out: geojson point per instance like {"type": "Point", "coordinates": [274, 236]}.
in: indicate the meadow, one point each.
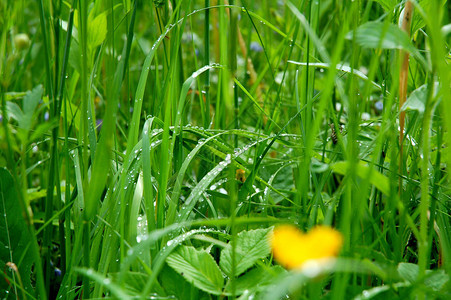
{"type": "Point", "coordinates": [218, 149]}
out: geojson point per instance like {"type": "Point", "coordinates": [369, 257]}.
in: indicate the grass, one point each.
{"type": "Point", "coordinates": [151, 147]}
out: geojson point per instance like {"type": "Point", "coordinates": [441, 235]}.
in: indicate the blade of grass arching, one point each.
{"type": "Point", "coordinates": [115, 290]}
{"type": "Point", "coordinates": [177, 129]}
{"type": "Point", "coordinates": [247, 186]}
{"type": "Point", "coordinates": [134, 126]}
{"type": "Point", "coordinates": [181, 174]}
{"type": "Point", "coordinates": [238, 84]}
{"type": "Point", "coordinates": [160, 259]}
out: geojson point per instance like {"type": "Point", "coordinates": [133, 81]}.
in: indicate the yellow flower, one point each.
{"type": "Point", "coordinates": [292, 248]}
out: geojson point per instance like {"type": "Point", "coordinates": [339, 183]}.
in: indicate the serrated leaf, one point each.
{"type": "Point", "coordinates": [198, 267]}
{"type": "Point", "coordinates": [15, 238]}
{"type": "Point", "coordinates": [251, 246]}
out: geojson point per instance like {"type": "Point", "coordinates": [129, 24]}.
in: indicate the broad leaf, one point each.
{"type": "Point", "coordinates": [198, 267]}
{"type": "Point", "coordinates": [97, 30]}
{"type": "Point", "coordinates": [434, 279]}
{"type": "Point", "coordinates": [385, 36]}
{"type": "Point", "coordinates": [174, 284]}
{"type": "Point", "coordinates": [14, 237]}
{"type": "Point", "coordinates": [369, 35]}
{"type": "Point", "coordinates": [256, 279]}
{"type": "Point", "coordinates": [417, 99]}
{"type": "Point", "coordinates": [377, 179]}
{"type": "Point", "coordinates": [251, 246]}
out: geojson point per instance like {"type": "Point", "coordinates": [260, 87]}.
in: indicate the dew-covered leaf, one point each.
{"type": "Point", "coordinates": [251, 246]}
{"type": "Point", "coordinates": [198, 267]}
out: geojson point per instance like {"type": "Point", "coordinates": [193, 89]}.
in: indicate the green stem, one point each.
{"type": "Point", "coordinates": [206, 88]}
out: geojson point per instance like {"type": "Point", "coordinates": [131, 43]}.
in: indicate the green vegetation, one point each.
{"type": "Point", "coordinates": [149, 148]}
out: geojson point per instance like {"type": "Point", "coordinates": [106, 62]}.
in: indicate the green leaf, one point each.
{"type": "Point", "coordinates": [30, 101]}
{"type": "Point", "coordinates": [14, 111]}
{"type": "Point", "coordinates": [408, 271]}
{"type": "Point", "coordinates": [256, 279]}
{"type": "Point", "coordinates": [434, 279]}
{"type": "Point", "coordinates": [43, 128]}
{"type": "Point", "coordinates": [388, 5]}
{"type": "Point", "coordinates": [15, 238]}
{"type": "Point", "coordinates": [97, 30]}
{"type": "Point", "coordinates": [251, 246]}
{"type": "Point", "coordinates": [198, 267]}
{"type": "Point", "coordinates": [418, 21]}
{"type": "Point", "coordinates": [106, 282]}
{"type": "Point", "coordinates": [385, 36]}
{"type": "Point", "coordinates": [369, 35]}
{"type": "Point", "coordinates": [377, 179]}
{"type": "Point", "coordinates": [417, 99]}
{"type": "Point", "coordinates": [174, 284]}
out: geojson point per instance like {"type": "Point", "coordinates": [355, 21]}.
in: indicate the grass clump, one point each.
{"type": "Point", "coordinates": [153, 149]}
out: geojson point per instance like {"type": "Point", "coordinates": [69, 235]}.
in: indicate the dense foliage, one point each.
{"type": "Point", "coordinates": [152, 149]}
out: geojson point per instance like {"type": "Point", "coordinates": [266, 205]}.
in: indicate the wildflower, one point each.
{"type": "Point", "coordinates": [379, 105]}
{"type": "Point", "coordinates": [256, 47]}
{"type": "Point", "coordinates": [293, 248]}
{"type": "Point", "coordinates": [240, 175]}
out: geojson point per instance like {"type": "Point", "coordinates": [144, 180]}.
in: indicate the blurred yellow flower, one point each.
{"type": "Point", "coordinates": [292, 248]}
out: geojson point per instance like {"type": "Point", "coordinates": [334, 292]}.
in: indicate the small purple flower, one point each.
{"type": "Point", "coordinates": [99, 124]}
{"type": "Point", "coordinates": [57, 272]}
{"type": "Point", "coordinates": [379, 105]}
{"type": "Point", "coordinates": [256, 47]}
{"type": "Point", "coordinates": [46, 116]}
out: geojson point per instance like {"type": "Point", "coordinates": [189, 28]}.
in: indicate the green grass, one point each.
{"type": "Point", "coordinates": [302, 97]}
